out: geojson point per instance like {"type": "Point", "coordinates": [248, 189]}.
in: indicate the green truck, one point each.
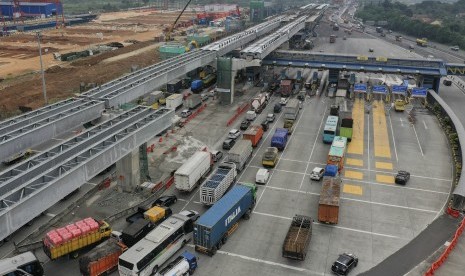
{"type": "Point", "coordinates": [346, 128]}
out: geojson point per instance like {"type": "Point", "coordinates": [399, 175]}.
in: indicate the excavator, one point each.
{"type": "Point", "coordinates": [168, 35]}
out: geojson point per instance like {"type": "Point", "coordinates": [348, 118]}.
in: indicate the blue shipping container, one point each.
{"type": "Point", "coordinates": [211, 227]}
{"type": "Point", "coordinates": [331, 170]}
{"type": "Point", "coordinates": [279, 138]}
{"type": "Point", "coordinates": [196, 85]}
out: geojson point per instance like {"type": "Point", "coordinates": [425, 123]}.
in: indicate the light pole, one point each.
{"type": "Point", "coordinates": [44, 89]}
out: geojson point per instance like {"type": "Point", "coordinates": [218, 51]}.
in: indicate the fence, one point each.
{"type": "Point", "coordinates": [241, 109]}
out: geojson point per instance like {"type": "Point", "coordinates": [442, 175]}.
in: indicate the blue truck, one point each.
{"type": "Point", "coordinates": [331, 170]}
{"type": "Point", "coordinates": [279, 139]}
{"type": "Point", "coordinates": [213, 228]}
{"type": "Point", "coordinates": [196, 86]}
{"type": "Point", "coordinates": [185, 264]}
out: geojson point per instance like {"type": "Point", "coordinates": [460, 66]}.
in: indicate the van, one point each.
{"type": "Point", "coordinates": [262, 176]}
{"type": "Point", "coordinates": [277, 108]}
{"type": "Point", "coordinates": [217, 155]}
{"type": "Point", "coordinates": [228, 144]}
{"type": "Point", "coordinates": [186, 113]}
{"type": "Point", "coordinates": [250, 115]}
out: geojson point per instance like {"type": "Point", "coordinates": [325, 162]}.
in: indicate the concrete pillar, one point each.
{"type": "Point", "coordinates": [128, 171]}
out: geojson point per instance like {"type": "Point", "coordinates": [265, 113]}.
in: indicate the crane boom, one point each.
{"type": "Point", "coordinates": [168, 35]}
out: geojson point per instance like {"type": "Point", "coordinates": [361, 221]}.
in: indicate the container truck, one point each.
{"type": "Point", "coordinates": [286, 87]}
{"type": "Point", "coordinates": [139, 214]}
{"type": "Point", "coordinates": [346, 128]}
{"type": "Point", "coordinates": [174, 101]}
{"type": "Point", "coordinates": [328, 208]}
{"type": "Point", "coordinates": [217, 184]}
{"type": "Point", "coordinates": [270, 157]}
{"type": "Point", "coordinates": [240, 153]}
{"type": "Point", "coordinates": [213, 228]}
{"type": "Point", "coordinates": [254, 133]}
{"type": "Point", "coordinates": [103, 259]}
{"type": "Point", "coordinates": [192, 101]}
{"type": "Point", "coordinates": [298, 238]}
{"type": "Point", "coordinates": [192, 171]}
{"type": "Point", "coordinates": [134, 232]}
{"type": "Point", "coordinates": [174, 86]}
{"type": "Point", "coordinates": [73, 237]}
{"type": "Point", "coordinates": [291, 110]}
{"type": "Point", "coordinates": [259, 103]}
{"type": "Point", "coordinates": [279, 139]}
{"type": "Point", "coordinates": [196, 86]}
{"type": "Point", "coordinates": [182, 265]}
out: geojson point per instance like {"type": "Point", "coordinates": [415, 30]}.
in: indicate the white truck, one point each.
{"type": "Point", "coordinates": [192, 171]}
{"type": "Point", "coordinates": [193, 101]}
{"type": "Point", "coordinates": [174, 101]}
{"type": "Point", "coordinates": [259, 102]}
{"type": "Point", "coordinates": [240, 153]}
{"type": "Point", "coordinates": [216, 185]}
{"type": "Point", "coordinates": [182, 265]}
{"type": "Point", "coordinates": [291, 110]}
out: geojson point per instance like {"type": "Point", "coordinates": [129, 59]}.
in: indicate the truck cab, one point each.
{"type": "Point", "coordinates": [105, 228]}
{"type": "Point", "coordinates": [399, 105]}
{"type": "Point", "coordinates": [289, 125]}
{"type": "Point", "coordinates": [270, 157]}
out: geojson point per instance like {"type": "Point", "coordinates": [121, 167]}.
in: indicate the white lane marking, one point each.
{"type": "Point", "coordinates": [330, 226]}
{"type": "Point", "coordinates": [50, 215]}
{"type": "Point", "coordinates": [90, 183]}
{"type": "Point", "coordinates": [356, 200]}
{"type": "Point", "coordinates": [184, 200]}
{"type": "Point", "coordinates": [368, 157]}
{"type": "Point", "coordinates": [401, 122]}
{"type": "Point", "coordinates": [393, 138]}
{"type": "Point", "coordinates": [418, 140]}
{"type": "Point", "coordinates": [187, 201]}
{"type": "Point", "coordinates": [425, 124]}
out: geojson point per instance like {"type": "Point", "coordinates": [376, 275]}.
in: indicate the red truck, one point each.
{"type": "Point", "coordinates": [286, 87]}
{"type": "Point", "coordinates": [102, 259]}
{"type": "Point", "coordinates": [254, 133]}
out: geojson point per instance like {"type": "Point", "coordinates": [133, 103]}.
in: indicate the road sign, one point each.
{"type": "Point", "coordinates": [362, 58]}
{"type": "Point", "coordinates": [419, 92]}
{"type": "Point", "coordinates": [360, 88]}
{"type": "Point", "coordinates": [399, 89]}
{"type": "Point", "coordinates": [380, 89]}
{"type": "Point", "coordinates": [382, 59]}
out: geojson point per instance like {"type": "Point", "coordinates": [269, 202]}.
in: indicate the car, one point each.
{"type": "Point", "coordinates": [411, 47]}
{"type": "Point", "coordinates": [455, 48]}
{"type": "Point", "coordinates": [262, 176]}
{"type": "Point", "coordinates": [383, 34]}
{"type": "Point", "coordinates": [344, 264]}
{"type": "Point", "coordinates": [270, 117]}
{"type": "Point", "coordinates": [265, 125]}
{"type": "Point", "coordinates": [234, 134]}
{"type": "Point", "coordinates": [186, 113]}
{"type": "Point", "coordinates": [228, 143]}
{"type": "Point", "coordinates": [371, 50]}
{"type": "Point", "coordinates": [204, 96]}
{"type": "Point", "coordinates": [344, 38]}
{"type": "Point", "coordinates": [430, 56]}
{"type": "Point", "coordinates": [283, 101]}
{"type": "Point", "coordinates": [402, 177]}
{"type": "Point", "coordinates": [447, 82]}
{"type": "Point", "coordinates": [321, 50]}
{"type": "Point", "coordinates": [301, 96]}
{"type": "Point", "coordinates": [217, 155]}
{"type": "Point", "coordinates": [165, 201]}
{"type": "Point", "coordinates": [277, 108]}
{"type": "Point", "coordinates": [317, 173]}
{"type": "Point", "coordinates": [245, 124]}
{"type": "Point", "coordinates": [193, 215]}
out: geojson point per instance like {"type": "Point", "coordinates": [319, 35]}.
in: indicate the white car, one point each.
{"type": "Point", "coordinates": [186, 113]}
{"type": "Point", "coordinates": [262, 176]}
{"type": "Point", "coordinates": [234, 134]}
{"type": "Point", "coordinates": [194, 215]}
{"type": "Point", "coordinates": [284, 101]}
{"type": "Point", "coordinates": [270, 117]}
{"type": "Point", "coordinates": [317, 173]}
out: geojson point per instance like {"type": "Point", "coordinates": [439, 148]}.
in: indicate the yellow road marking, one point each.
{"type": "Point", "coordinates": [352, 189]}
{"type": "Point", "coordinates": [354, 162]}
{"type": "Point", "coordinates": [383, 165]}
{"type": "Point", "coordinates": [388, 179]}
{"type": "Point", "coordinates": [358, 114]}
{"type": "Point", "coordinates": [380, 132]}
{"type": "Point", "coordinates": [353, 174]}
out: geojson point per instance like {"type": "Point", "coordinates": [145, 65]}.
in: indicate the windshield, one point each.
{"type": "Point", "coordinates": [329, 132]}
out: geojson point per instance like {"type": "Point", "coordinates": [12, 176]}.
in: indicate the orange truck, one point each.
{"type": "Point", "coordinates": [254, 133]}
{"type": "Point", "coordinates": [102, 259]}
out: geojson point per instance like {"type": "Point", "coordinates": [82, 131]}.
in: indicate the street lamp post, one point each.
{"type": "Point", "coordinates": [44, 89]}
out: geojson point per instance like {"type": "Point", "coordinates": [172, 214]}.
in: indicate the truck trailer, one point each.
{"type": "Point", "coordinates": [213, 228]}
{"type": "Point", "coordinates": [240, 153]}
{"type": "Point", "coordinates": [328, 208]}
{"type": "Point", "coordinates": [346, 129]}
{"type": "Point", "coordinates": [254, 133]}
{"type": "Point", "coordinates": [279, 139]}
{"type": "Point", "coordinates": [192, 171]}
{"type": "Point", "coordinates": [216, 185]}
{"type": "Point", "coordinates": [174, 86]}
{"type": "Point", "coordinates": [259, 103]}
{"type": "Point", "coordinates": [182, 265]}
{"type": "Point", "coordinates": [291, 110]}
{"type": "Point", "coordinates": [192, 101]}
{"type": "Point", "coordinates": [102, 259]}
{"type": "Point", "coordinates": [298, 238]}
{"type": "Point", "coordinates": [174, 101]}
{"type": "Point", "coordinates": [134, 232]}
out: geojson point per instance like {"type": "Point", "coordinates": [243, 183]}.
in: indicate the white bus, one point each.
{"type": "Point", "coordinates": [148, 255]}
{"type": "Point", "coordinates": [23, 264]}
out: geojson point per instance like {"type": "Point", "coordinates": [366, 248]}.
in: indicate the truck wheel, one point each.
{"type": "Point", "coordinates": [218, 246]}
{"type": "Point", "coordinates": [247, 216]}
{"type": "Point", "coordinates": [224, 240]}
{"type": "Point", "coordinates": [75, 255]}
{"type": "Point", "coordinates": [213, 251]}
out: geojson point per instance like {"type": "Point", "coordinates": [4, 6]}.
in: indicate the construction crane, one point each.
{"type": "Point", "coordinates": [168, 35]}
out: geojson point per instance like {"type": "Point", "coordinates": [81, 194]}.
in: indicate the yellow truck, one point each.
{"type": "Point", "coordinates": [423, 42]}
{"type": "Point", "coordinates": [73, 237]}
{"type": "Point", "coordinates": [399, 105]}
{"type": "Point", "coordinates": [157, 213]}
{"type": "Point", "coordinates": [289, 125]}
{"type": "Point", "coordinates": [270, 157]}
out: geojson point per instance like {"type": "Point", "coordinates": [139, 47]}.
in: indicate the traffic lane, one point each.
{"type": "Point", "coordinates": [454, 97]}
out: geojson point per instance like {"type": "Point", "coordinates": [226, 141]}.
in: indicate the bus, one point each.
{"type": "Point", "coordinates": [23, 264]}
{"type": "Point", "coordinates": [337, 152]}
{"type": "Point", "coordinates": [330, 129]}
{"type": "Point", "coordinates": [148, 255]}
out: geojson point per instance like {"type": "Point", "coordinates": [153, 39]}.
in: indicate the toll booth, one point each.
{"type": "Point", "coordinates": [380, 92]}
{"type": "Point", "coordinates": [419, 95]}
{"type": "Point", "coordinates": [399, 92]}
{"type": "Point", "coordinates": [360, 91]}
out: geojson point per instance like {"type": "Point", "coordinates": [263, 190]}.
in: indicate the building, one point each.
{"type": "Point", "coordinates": [29, 9]}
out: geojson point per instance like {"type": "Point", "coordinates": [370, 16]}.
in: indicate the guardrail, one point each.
{"type": "Point", "coordinates": [239, 111]}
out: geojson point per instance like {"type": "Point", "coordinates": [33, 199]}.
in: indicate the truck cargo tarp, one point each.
{"type": "Point", "coordinates": [419, 92]}
{"type": "Point", "coordinates": [380, 89]}
{"type": "Point", "coordinates": [399, 89]}
{"type": "Point", "coordinates": [360, 88]}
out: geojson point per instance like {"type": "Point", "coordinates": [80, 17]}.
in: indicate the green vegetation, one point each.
{"type": "Point", "coordinates": [408, 19]}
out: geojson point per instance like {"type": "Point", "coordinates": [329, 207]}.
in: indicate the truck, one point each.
{"type": "Point", "coordinates": [216, 185]}
{"type": "Point", "coordinates": [270, 157]}
{"type": "Point", "coordinates": [134, 232]}
{"type": "Point", "coordinates": [346, 129]}
{"type": "Point", "coordinates": [332, 39]}
{"type": "Point", "coordinates": [174, 86]}
{"type": "Point", "coordinates": [398, 38]}
{"type": "Point", "coordinates": [298, 238]}
{"type": "Point", "coordinates": [379, 29]}
{"type": "Point", "coordinates": [214, 227]}
{"type": "Point", "coordinates": [254, 133]}
{"type": "Point", "coordinates": [399, 105]}
{"type": "Point", "coordinates": [423, 42]}
{"type": "Point", "coordinates": [73, 237]}
{"type": "Point", "coordinates": [240, 153]}
{"type": "Point", "coordinates": [139, 214]}
{"type": "Point", "coordinates": [102, 259]}
{"type": "Point", "coordinates": [328, 205]}
{"type": "Point", "coordinates": [279, 139]}
{"type": "Point", "coordinates": [196, 86]}
{"type": "Point", "coordinates": [192, 171]}
{"type": "Point", "coordinates": [259, 103]}
{"type": "Point", "coordinates": [336, 27]}
{"type": "Point", "coordinates": [291, 110]}
{"type": "Point", "coordinates": [192, 101]}
{"type": "Point", "coordinates": [156, 214]}
{"type": "Point", "coordinates": [331, 170]}
{"type": "Point", "coordinates": [174, 101]}
{"type": "Point", "coordinates": [286, 87]}
{"type": "Point", "coordinates": [182, 265]}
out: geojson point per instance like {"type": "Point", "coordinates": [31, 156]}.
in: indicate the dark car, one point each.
{"type": "Point", "coordinates": [402, 177]}
{"type": "Point", "coordinates": [277, 108]}
{"type": "Point", "coordinates": [447, 82]}
{"type": "Point", "coordinates": [165, 201]}
{"type": "Point", "coordinates": [228, 143]}
{"type": "Point", "coordinates": [344, 264]}
{"type": "Point", "coordinates": [265, 125]}
{"type": "Point", "coordinates": [245, 124]}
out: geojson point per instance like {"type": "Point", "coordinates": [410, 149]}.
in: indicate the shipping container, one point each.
{"type": "Point", "coordinates": [254, 133]}
{"type": "Point", "coordinates": [103, 259]}
{"type": "Point", "coordinates": [136, 231]}
{"type": "Point", "coordinates": [240, 153]}
{"type": "Point", "coordinates": [192, 171]}
{"type": "Point", "coordinates": [328, 208]}
{"type": "Point", "coordinates": [213, 228]}
{"type": "Point", "coordinates": [192, 101]}
{"type": "Point", "coordinates": [174, 86]}
{"type": "Point", "coordinates": [279, 139]}
{"type": "Point", "coordinates": [291, 110]}
{"type": "Point", "coordinates": [157, 213]}
{"type": "Point", "coordinates": [286, 87]}
{"type": "Point", "coordinates": [298, 238]}
{"type": "Point", "coordinates": [196, 86]}
{"type": "Point", "coordinates": [174, 101]}
{"type": "Point", "coordinates": [346, 129]}
{"type": "Point", "coordinates": [216, 185]}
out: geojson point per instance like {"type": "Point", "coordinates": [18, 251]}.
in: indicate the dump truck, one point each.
{"type": "Point", "coordinates": [346, 129]}
{"type": "Point", "coordinates": [298, 238]}
{"type": "Point", "coordinates": [73, 237]}
{"type": "Point", "coordinates": [270, 157]}
{"type": "Point", "coordinates": [254, 133]}
{"type": "Point", "coordinates": [399, 105]}
{"type": "Point", "coordinates": [214, 227]}
{"type": "Point", "coordinates": [259, 103]}
{"type": "Point", "coordinates": [216, 185]}
{"type": "Point", "coordinates": [328, 206]}
{"type": "Point", "coordinates": [102, 259]}
{"type": "Point", "coordinates": [279, 139]}
{"type": "Point", "coordinates": [240, 153]}
{"type": "Point", "coordinates": [134, 232]}
{"type": "Point", "coordinates": [182, 265]}
{"type": "Point", "coordinates": [192, 101]}
{"type": "Point", "coordinates": [192, 171]}
{"type": "Point", "coordinates": [156, 214]}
